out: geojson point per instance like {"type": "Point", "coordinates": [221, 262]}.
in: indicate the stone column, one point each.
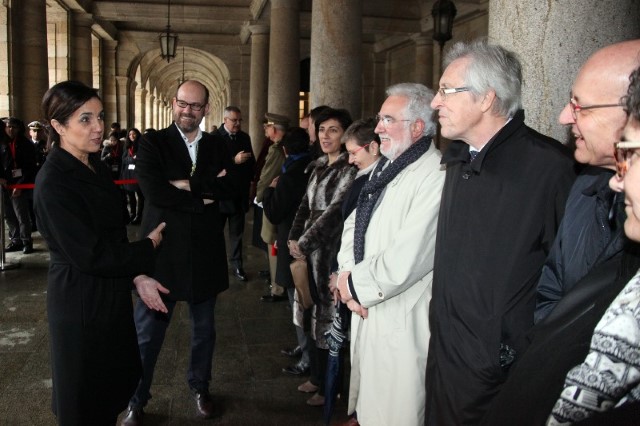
{"type": "Point", "coordinates": [159, 110]}
{"type": "Point", "coordinates": [336, 54]}
{"type": "Point", "coordinates": [553, 39]}
{"type": "Point", "coordinates": [258, 83]}
{"type": "Point", "coordinates": [81, 53]}
{"type": "Point", "coordinates": [424, 60]}
{"type": "Point", "coordinates": [122, 101]}
{"type": "Point", "coordinates": [150, 105]}
{"type": "Point", "coordinates": [380, 80]}
{"type": "Point", "coordinates": [27, 60]}
{"type": "Point", "coordinates": [284, 58]}
{"type": "Point", "coordinates": [109, 98]}
{"type": "Point", "coordinates": [141, 109]}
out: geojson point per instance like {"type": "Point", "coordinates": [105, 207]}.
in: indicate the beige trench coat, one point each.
{"type": "Point", "coordinates": [389, 348]}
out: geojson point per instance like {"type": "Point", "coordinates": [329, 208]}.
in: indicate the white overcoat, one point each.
{"type": "Point", "coordinates": [389, 348]}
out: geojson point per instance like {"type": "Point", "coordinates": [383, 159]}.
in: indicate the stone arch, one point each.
{"type": "Point", "coordinates": [160, 80]}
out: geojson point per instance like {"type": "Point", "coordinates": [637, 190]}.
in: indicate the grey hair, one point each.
{"type": "Point", "coordinates": [419, 99]}
{"type": "Point", "coordinates": [491, 67]}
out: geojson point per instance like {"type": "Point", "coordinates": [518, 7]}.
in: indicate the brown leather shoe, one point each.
{"type": "Point", "coordinates": [133, 417]}
{"type": "Point", "coordinates": [308, 387]}
{"type": "Point", "coordinates": [204, 404]}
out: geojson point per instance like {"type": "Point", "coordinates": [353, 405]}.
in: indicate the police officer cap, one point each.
{"type": "Point", "coordinates": [276, 119]}
{"type": "Point", "coordinates": [35, 125]}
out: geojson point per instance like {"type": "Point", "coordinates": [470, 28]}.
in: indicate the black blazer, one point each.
{"type": "Point", "coordinates": [25, 160]}
{"type": "Point", "coordinates": [192, 261]}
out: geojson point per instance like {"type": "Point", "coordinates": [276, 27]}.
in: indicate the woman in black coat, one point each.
{"type": "Point", "coordinates": [133, 193]}
{"type": "Point", "coordinates": [94, 353]}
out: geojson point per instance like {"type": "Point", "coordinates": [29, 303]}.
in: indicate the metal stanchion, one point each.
{"type": "Point", "coordinates": [4, 266]}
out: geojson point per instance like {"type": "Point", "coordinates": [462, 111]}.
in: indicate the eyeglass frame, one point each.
{"type": "Point", "coordinates": [387, 120]}
{"type": "Point", "coordinates": [445, 91]}
{"type": "Point", "coordinates": [194, 106]}
{"type": "Point", "coordinates": [357, 150]}
{"type": "Point", "coordinates": [621, 152]}
{"type": "Point", "coordinates": [234, 120]}
{"type": "Point", "coordinates": [575, 107]}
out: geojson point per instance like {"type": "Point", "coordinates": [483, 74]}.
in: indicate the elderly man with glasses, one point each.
{"type": "Point", "coordinates": [233, 211]}
{"type": "Point", "coordinates": [502, 201]}
{"type": "Point", "coordinates": [592, 234]}
{"type": "Point", "coordinates": [386, 264]}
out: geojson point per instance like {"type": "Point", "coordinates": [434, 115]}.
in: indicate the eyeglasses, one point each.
{"type": "Point", "coordinates": [357, 150]}
{"type": "Point", "coordinates": [387, 120]}
{"type": "Point", "coordinates": [194, 106]}
{"type": "Point", "coordinates": [576, 108]}
{"type": "Point", "coordinates": [444, 91]}
{"type": "Point", "coordinates": [623, 151]}
{"type": "Point", "coordinates": [234, 120]}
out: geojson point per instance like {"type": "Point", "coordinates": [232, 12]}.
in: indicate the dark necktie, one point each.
{"type": "Point", "coordinates": [473, 154]}
{"type": "Point", "coordinates": [233, 137]}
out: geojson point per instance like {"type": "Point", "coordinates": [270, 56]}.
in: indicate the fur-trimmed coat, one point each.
{"type": "Point", "coordinates": [318, 227]}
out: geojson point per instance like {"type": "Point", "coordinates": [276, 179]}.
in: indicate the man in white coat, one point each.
{"type": "Point", "coordinates": [386, 264]}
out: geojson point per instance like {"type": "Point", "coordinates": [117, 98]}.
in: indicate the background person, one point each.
{"type": "Point", "coordinates": [132, 191]}
{"type": "Point", "coordinates": [94, 353]}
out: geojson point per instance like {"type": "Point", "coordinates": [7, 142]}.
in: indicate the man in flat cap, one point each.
{"type": "Point", "coordinates": [275, 127]}
{"type": "Point", "coordinates": [39, 140]}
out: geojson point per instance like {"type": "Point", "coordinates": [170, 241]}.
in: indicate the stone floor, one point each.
{"type": "Point", "coordinates": [247, 384]}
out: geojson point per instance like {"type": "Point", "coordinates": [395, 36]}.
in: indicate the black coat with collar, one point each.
{"type": "Point", "coordinates": [94, 350]}
{"type": "Point", "coordinates": [243, 172]}
{"type": "Point", "coordinates": [498, 219]}
{"type": "Point", "coordinates": [192, 261]}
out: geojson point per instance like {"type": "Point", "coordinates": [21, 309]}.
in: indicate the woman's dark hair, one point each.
{"type": "Point", "coordinates": [61, 101]}
{"type": "Point", "coordinates": [362, 132]}
{"type": "Point", "coordinates": [632, 99]}
{"type": "Point", "coordinates": [135, 142]}
{"type": "Point", "coordinates": [341, 115]}
{"type": "Point", "coordinates": [295, 141]}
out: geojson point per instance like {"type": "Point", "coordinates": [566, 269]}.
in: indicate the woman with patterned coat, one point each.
{"type": "Point", "coordinates": [315, 235]}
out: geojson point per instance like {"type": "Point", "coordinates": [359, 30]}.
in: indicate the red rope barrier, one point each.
{"type": "Point", "coordinates": [31, 186]}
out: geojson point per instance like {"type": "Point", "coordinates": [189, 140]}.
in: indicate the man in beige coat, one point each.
{"type": "Point", "coordinates": [386, 263]}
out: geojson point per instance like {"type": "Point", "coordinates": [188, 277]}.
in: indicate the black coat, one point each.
{"type": "Point", "coordinates": [128, 169]}
{"type": "Point", "coordinates": [192, 261]}
{"type": "Point", "coordinates": [243, 172]}
{"type": "Point", "coordinates": [25, 160]}
{"type": "Point", "coordinates": [559, 343]}
{"type": "Point", "coordinates": [94, 350]}
{"type": "Point", "coordinates": [498, 218]}
{"type": "Point", "coordinates": [280, 205]}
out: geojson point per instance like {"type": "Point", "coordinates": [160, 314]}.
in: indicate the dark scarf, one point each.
{"type": "Point", "coordinates": [373, 189]}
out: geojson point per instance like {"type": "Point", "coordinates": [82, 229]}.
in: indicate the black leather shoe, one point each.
{"type": "Point", "coordinates": [133, 417]}
{"type": "Point", "coordinates": [27, 249]}
{"type": "Point", "coordinates": [298, 369]}
{"type": "Point", "coordinates": [270, 298]}
{"type": "Point", "coordinates": [239, 274]}
{"type": "Point", "coordinates": [204, 404]}
{"type": "Point", "coordinates": [13, 247]}
{"type": "Point", "coordinates": [293, 353]}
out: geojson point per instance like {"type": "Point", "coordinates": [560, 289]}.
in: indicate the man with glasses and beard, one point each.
{"type": "Point", "coordinates": [183, 172]}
